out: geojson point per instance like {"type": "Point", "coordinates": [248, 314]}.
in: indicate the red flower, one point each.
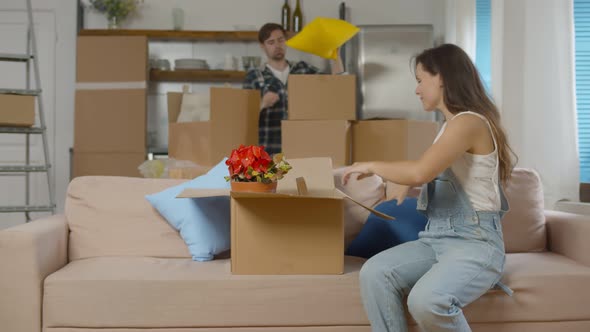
{"type": "Point", "coordinates": [249, 163]}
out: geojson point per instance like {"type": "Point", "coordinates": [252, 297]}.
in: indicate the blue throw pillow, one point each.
{"type": "Point", "coordinates": [379, 234]}
{"type": "Point", "coordinates": [203, 223]}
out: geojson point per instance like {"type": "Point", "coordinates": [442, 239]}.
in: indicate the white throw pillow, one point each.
{"type": "Point", "coordinates": [370, 191]}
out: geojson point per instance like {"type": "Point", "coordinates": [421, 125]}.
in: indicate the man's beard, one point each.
{"type": "Point", "coordinates": [278, 56]}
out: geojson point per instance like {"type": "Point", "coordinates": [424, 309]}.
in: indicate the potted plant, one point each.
{"type": "Point", "coordinates": [115, 10]}
{"type": "Point", "coordinates": [252, 169]}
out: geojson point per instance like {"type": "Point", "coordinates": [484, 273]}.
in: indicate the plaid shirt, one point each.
{"type": "Point", "coordinates": [269, 121]}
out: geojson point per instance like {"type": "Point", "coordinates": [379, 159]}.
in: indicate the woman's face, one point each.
{"type": "Point", "coordinates": [429, 89]}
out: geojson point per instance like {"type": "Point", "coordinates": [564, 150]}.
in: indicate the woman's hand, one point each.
{"type": "Point", "coordinates": [399, 192]}
{"type": "Point", "coordinates": [363, 169]}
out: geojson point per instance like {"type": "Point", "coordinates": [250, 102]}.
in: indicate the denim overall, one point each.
{"type": "Point", "coordinates": [457, 258]}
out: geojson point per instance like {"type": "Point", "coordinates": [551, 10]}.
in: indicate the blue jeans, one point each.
{"type": "Point", "coordinates": [457, 259]}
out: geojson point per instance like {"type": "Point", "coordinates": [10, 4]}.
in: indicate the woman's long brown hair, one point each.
{"type": "Point", "coordinates": [463, 91]}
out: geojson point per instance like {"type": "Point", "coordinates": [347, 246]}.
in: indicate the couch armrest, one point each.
{"type": "Point", "coordinates": [29, 253]}
{"type": "Point", "coordinates": [568, 234]}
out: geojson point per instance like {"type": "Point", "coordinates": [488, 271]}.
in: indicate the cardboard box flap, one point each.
{"type": "Point", "coordinates": [279, 196]}
{"type": "Point", "coordinates": [382, 215]}
{"type": "Point", "coordinates": [237, 194]}
{"type": "Point", "coordinates": [199, 193]}
{"type": "Point", "coordinates": [317, 173]}
{"type": "Point", "coordinates": [174, 103]}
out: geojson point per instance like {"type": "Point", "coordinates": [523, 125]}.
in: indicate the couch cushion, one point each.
{"type": "Point", "coordinates": [524, 225]}
{"type": "Point", "coordinates": [365, 328]}
{"type": "Point", "coordinates": [547, 287]}
{"type": "Point", "coordinates": [150, 292]}
{"type": "Point", "coordinates": [109, 216]}
{"type": "Point", "coordinates": [570, 326]}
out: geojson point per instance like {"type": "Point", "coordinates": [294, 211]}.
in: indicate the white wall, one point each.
{"type": "Point", "coordinates": [213, 15]}
{"type": "Point", "coordinates": [55, 20]}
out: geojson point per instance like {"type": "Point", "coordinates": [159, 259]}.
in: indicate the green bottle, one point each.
{"type": "Point", "coordinates": [297, 18]}
{"type": "Point", "coordinates": [286, 16]}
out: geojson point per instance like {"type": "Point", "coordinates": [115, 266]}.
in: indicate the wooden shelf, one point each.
{"type": "Point", "coordinates": [176, 34]}
{"type": "Point", "coordinates": [189, 75]}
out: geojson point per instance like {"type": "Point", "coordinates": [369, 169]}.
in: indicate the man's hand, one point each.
{"type": "Point", "coordinates": [337, 65]}
{"type": "Point", "coordinates": [269, 99]}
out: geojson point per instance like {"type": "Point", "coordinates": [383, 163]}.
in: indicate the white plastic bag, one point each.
{"type": "Point", "coordinates": [171, 168]}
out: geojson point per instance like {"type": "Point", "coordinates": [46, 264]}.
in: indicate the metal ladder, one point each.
{"type": "Point", "coordinates": [26, 169]}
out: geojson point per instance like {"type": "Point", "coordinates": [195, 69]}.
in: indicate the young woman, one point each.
{"type": "Point", "coordinates": [460, 254]}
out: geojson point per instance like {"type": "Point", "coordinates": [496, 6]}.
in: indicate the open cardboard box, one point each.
{"type": "Point", "coordinates": [297, 230]}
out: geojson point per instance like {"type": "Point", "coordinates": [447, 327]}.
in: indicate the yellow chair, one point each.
{"type": "Point", "coordinates": [323, 36]}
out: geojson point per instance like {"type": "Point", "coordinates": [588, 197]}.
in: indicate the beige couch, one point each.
{"type": "Point", "coordinates": [112, 264]}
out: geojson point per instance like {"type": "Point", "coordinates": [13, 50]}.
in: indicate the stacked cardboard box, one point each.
{"type": "Point", "coordinates": [321, 108]}
{"type": "Point", "coordinates": [391, 139]}
{"type": "Point", "coordinates": [322, 114]}
{"type": "Point", "coordinates": [111, 106]}
{"type": "Point", "coordinates": [233, 121]}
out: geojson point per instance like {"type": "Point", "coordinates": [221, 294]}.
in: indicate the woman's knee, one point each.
{"type": "Point", "coordinates": [372, 272]}
{"type": "Point", "coordinates": [425, 306]}
{"type": "Point", "coordinates": [382, 278]}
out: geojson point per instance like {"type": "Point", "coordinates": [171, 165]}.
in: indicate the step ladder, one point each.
{"type": "Point", "coordinates": [26, 169]}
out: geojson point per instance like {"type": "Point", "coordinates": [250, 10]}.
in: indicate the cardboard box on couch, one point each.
{"type": "Point", "coordinates": [233, 121]}
{"type": "Point", "coordinates": [290, 231]}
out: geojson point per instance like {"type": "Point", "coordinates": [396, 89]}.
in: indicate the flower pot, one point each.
{"type": "Point", "coordinates": [256, 187]}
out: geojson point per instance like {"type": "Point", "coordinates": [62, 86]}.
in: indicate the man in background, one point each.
{"type": "Point", "coordinates": [271, 79]}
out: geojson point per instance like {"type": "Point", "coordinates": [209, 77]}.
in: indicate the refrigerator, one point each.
{"type": "Point", "coordinates": [381, 58]}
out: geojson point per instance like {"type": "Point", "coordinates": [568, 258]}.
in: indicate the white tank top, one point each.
{"type": "Point", "coordinates": [478, 174]}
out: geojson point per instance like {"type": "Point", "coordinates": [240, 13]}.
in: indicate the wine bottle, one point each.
{"type": "Point", "coordinates": [286, 16]}
{"type": "Point", "coordinates": [297, 18]}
